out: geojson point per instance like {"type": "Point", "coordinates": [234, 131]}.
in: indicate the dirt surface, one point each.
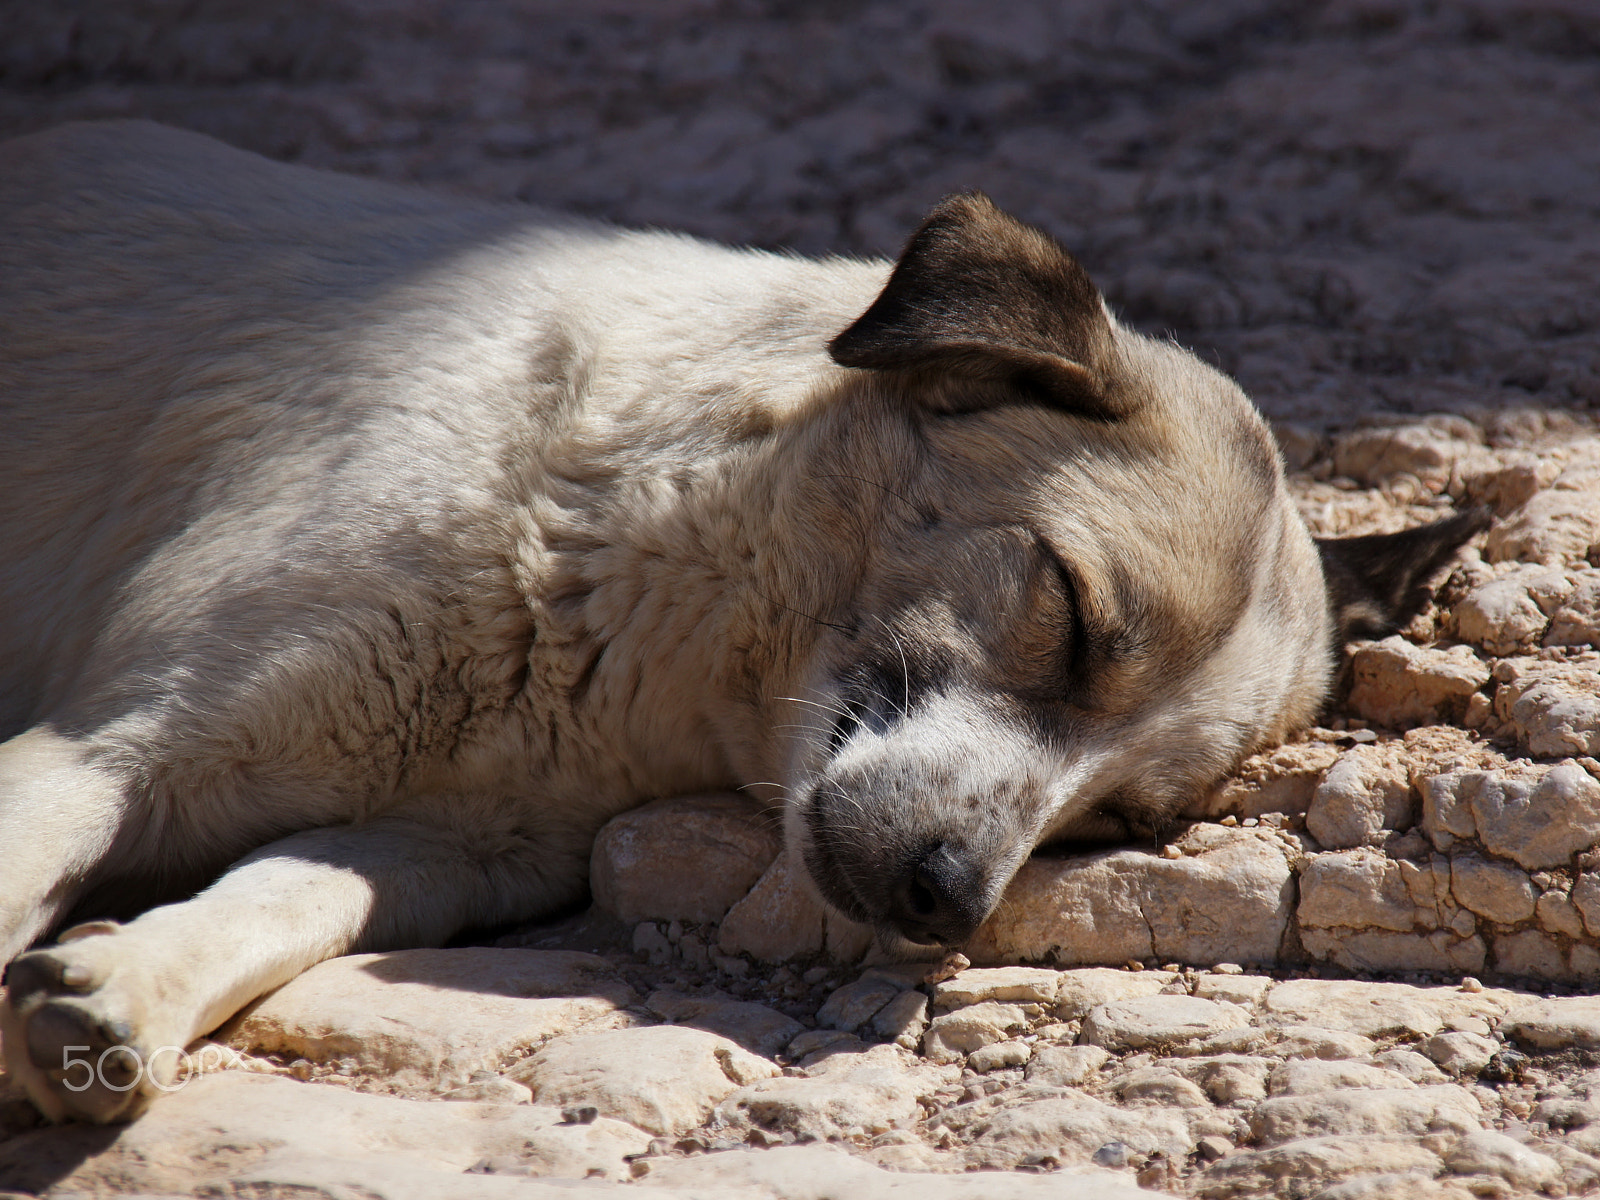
{"type": "Point", "coordinates": [1380, 215]}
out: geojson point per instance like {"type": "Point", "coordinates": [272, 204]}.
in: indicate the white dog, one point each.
{"type": "Point", "coordinates": [365, 551]}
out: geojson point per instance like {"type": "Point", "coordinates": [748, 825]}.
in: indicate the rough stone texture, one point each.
{"type": "Point", "coordinates": [1398, 684]}
{"type": "Point", "coordinates": [1159, 1021]}
{"type": "Point", "coordinates": [1550, 1024]}
{"type": "Point", "coordinates": [1366, 911]}
{"type": "Point", "coordinates": [256, 1135]}
{"type": "Point", "coordinates": [1315, 1163]}
{"type": "Point", "coordinates": [1577, 621]}
{"type": "Point", "coordinates": [1423, 1113]}
{"type": "Point", "coordinates": [662, 1079]}
{"type": "Point", "coordinates": [649, 864]}
{"type": "Point", "coordinates": [1226, 899]}
{"type": "Point", "coordinates": [1537, 818]}
{"type": "Point", "coordinates": [1379, 215]}
{"type": "Point", "coordinates": [1378, 1009]}
{"type": "Point", "coordinates": [1366, 792]}
{"type": "Point", "coordinates": [954, 1034]}
{"type": "Point", "coordinates": [393, 1016]}
{"type": "Point", "coordinates": [782, 918]}
{"type": "Point", "coordinates": [1509, 614]}
{"type": "Point", "coordinates": [1553, 708]}
{"type": "Point", "coordinates": [839, 1099]}
{"type": "Point", "coordinates": [754, 1026]}
{"type": "Point", "coordinates": [826, 1173]}
{"type": "Point", "coordinates": [1073, 1127]}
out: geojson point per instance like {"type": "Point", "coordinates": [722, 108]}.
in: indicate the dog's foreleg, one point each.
{"type": "Point", "coordinates": [181, 970]}
{"type": "Point", "coordinates": [58, 815]}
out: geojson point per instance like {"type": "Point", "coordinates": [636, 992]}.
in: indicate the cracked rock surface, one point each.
{"type": "Point", "coordinates": [1360, 968]}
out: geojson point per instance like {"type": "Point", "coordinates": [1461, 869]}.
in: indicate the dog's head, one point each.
{"type": "Point", "coordinates": [1075, 590]}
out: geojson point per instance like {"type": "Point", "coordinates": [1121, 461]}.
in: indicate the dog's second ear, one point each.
{"type": "Point", "coordinates": [980, 295]}
{"type": "Point", "coordinates": [1379, 582]}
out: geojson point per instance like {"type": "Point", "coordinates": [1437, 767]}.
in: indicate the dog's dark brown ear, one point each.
{"type": "Point", "coordinates": [1379, 582]}
{"type": "Point", "coordinates": [979, 294]}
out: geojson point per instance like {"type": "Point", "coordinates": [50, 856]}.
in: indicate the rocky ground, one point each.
{"type": "Point", "coordinates": [1360, 972]}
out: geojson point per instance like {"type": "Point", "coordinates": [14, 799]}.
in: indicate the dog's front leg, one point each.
{"type": "Point", "coordinates": [93, 1026]}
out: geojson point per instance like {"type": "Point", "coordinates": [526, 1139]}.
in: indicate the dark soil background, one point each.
{"type": "Point", "coordinates": [1356, 206]}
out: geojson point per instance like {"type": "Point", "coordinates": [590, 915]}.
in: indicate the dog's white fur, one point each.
{"type": "Point", "coordinates": [365, 551]}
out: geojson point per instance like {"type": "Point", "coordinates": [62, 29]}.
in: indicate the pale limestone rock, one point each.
{"type": "Point", "coordinates": [1431, 452]}
{"type": "Point", "coordinates": [242, 1134]}
{"type": "Point", "coordinates": [1278, 780]}
{"type": "Point", "coordinates": [1535, 816]}
{"type": "Point", "coordinates": [782, 918]}
{"type": "Point", "coordinates": [492, 1091]}
{"type": "Point", "coordinates": [1485, 1152]}
{"type": "Point", "coordinates": [1557, 914]}
{"type": "Point", "coordinates": [1377, 1009]}
{"type": "Point", "coordinates": [1316, 1162]}
{"type": "Point", "coordinates": [1364, 889]}
{"type": "Point", "coordinates": [1586, 899]}
{"type": "Point", "coordinates": [1151, 1021]}
{"type": "Point", "coordinates": [1246, 990]}
{"type": "Point", "coordinates": [952, 1035]}
{"type": "Point", "coordinates": [1159, 1086]}
{"type": "Point", "coordinates": [1376, 1112]}
{"type": "Point", "coordinates": [1024, 984]}
{"type": "Point", "coordinates": [1577, 621]}
{"type": "Point", "coordinates": [998, 1056]}
{"type": "Point", "coordinates": [1495, 891]}
{"type": "Point", "coordinates": [1226, 899]}
{"type": "Point", "coordinates": [1314, 1041]}
{"type": "Point", "coordinates": [1366, 792]}
{"type": "Point", "coordinates": [1066, 1066]}
{"type": "Point", "coordinates": [1410, 1065]}
{"type": "Point", "coordinates": [1311, 1076]}
{"type": "Point", "coordinates": [1071, 1127]}
{"type": "Point", "coordinates": [853, 1096]}
{"type": "Point", "coordinates": [1460, 1053]}
{"type": "Point", "coordinates": [853, 1005]}
{"type": "Point", "coordinates": [1224, 1078]}
{"type": "Point", "coordinates": [1541, 826]}
{"type": "Point", "coordinates": [825, 1172]}
{"type": "Point", "coordinates": [1084, 988]}
{"type": "Point", "coordinates": [1367, 911]}
{"type": "Point", "coordinates": [903, 1020]}
{"type": "Point", "coordinates": [757, 1028]}
{"type": "Point", "coordinates": [690, 858]}
{"type": "Point", "coordinates": [1380, 950]}
{"type": "Point", "coordinates": [663, 1079]}
{"type": "Point", "coordinates": [1557, 1024]}
{"type": "Point", "coordinates": [1509, 614]}
{"type": "Point", "coordinates": [1553, 708]}
{"type": "Point", "coordinates": [1398, 684]}
{"type": "Point", "coordinates": [1528, 953]}
{"type": "Point", "coordinates": [1507, 486]}
{"type": "Point", "coordinates": [1555, 527]}
{"type": "Point", "coordinates": [425, 1020]}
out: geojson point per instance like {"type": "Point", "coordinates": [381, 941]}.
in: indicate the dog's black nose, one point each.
{"type": "Point", "coordinates": [940, 901]}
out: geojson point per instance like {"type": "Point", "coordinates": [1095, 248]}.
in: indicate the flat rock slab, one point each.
{"type": "Point", "coordinates": [662, 1078]}
{"type": "Point", "coordinates": [1227, 898]}
{"type": "Point", "coordinates": [1555, 1024]}
{"type": "Point", "coordinates": [651, 863]}
{"type": "Point", "coordinates": [827, 1173]}
{"type": "Point", "coordinates": [1154, 1021]}
{"type": "Point", "coordinates": [1377, 1009]}
{"type": "Point", "coordinates": [263, 1135]}
{"type": "Point", "coordinates": [427, 1019]}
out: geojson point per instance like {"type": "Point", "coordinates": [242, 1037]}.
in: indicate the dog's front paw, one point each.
{"type": "Point", "coordinates": [74, 1038]}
